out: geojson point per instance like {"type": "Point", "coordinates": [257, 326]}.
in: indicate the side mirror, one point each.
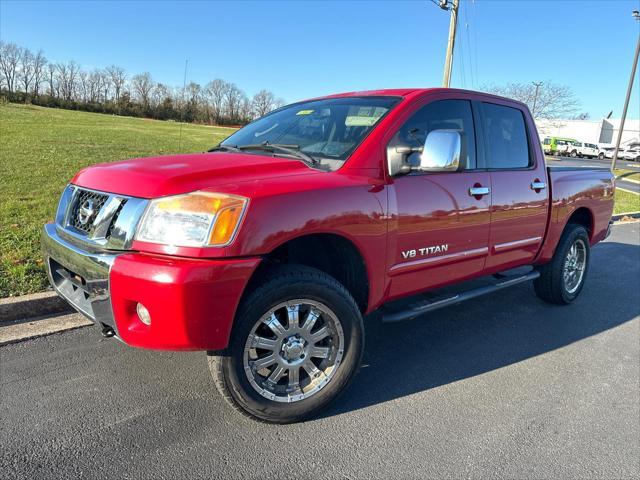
{"type": "Point", "coordinates": [441, 152]}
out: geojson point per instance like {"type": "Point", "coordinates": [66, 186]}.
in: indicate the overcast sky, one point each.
{"type": "Point", "coordinates": [305, 49]}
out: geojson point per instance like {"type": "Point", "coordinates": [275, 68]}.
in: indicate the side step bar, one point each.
{"type": "Point", "coordinates": [425, 306]}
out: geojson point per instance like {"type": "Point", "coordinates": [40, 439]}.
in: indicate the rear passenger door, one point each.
{"type": "Point", "coordinates": [518, 186]}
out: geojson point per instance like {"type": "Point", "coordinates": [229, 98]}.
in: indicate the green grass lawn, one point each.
{"type": "Point", "coordinates": [626, 202]}
{"type": "Point", "coordinates": [627, 174]}
{"type": "Point", "coordinates": [40, 151]}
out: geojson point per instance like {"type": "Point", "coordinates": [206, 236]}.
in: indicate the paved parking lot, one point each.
{"type": "Point", "coordinates": [503, 386]}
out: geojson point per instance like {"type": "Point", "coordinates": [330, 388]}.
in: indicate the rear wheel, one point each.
{"type": "Point", "coordinates": [296, 344]}
{"type": "Point", "coordinates": [561, 280]}
{"type": "Point", "coordinates": [574, 154]}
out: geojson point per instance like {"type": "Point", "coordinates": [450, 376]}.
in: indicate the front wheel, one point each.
{"type": "Point", "coordinates": [561, 280]}
{"type": "Point", "coordinates": [297, 343]}
{"type": "Point", "coordinates": [574, 154]}
{"type": "Point", "coordinates": [601, 156]}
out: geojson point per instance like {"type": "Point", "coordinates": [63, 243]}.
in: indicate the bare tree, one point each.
{"type": "Point", "coordinates": [263, 102]}
{"type": "Point", "coordinates": [159, 94]}
{"type": "Point", "coordinates": [246, 109]}
{"type": "Point", "coordinates": [215, 92]}
{"type": "Point", "coordinates": [83, 83]}
{"type": "Point", "coordinates": [232, 102]}
{"type": "Point", "coordinates": [95, 82]}
{"type": "Point", "coordinates": [194, 93]}
{"type": "Point", "coordinates": [52, 80]}
{"type": "Point", "coordinates": [67, 78]}
{"type": "Point", "coordinates": [547, 100]}
{"type": "Point", "coordinates": [10, 55]}
{"type": "Point", "coordinates": [117, 77]}
{"type": "Point", "coordinates": [142, 85]}
{"type": "Point", "coordinates": [39, 63]}
{"type": "Point", "coordinates": [25, 71]}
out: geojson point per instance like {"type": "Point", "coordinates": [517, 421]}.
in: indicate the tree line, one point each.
{"type": "Point", "coordinates": [29, 77]}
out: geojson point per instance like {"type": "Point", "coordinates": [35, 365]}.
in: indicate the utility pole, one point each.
{"type": "Point", "coordinates": [636, 15]}
{"type": "Point", "coordinates": [535, 98]}
{"type": "Point", "coordinates": [448, 61]}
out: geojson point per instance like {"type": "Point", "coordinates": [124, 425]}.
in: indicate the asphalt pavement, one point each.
{"type": "Point", "coordinates": [503, 386]}
{"type": "Point", "coordinates": [594, 162]}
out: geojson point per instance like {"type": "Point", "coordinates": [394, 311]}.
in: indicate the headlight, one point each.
{"type": "Point", "coordinates": [195, 219]}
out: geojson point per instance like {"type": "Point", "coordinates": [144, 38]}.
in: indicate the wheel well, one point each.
{"type": "Point", "coordinates": [582, 216]}
{"type": "Point", "coordinates": [332, 254]}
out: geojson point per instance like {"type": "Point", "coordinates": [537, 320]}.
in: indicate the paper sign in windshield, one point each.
{"type": "Point", "coordinates": [360, 121]}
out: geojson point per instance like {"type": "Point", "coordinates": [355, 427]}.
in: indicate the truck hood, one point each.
{"type": "Point", "coordinates": [174, 174]}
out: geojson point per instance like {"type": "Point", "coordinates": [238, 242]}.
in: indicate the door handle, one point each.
{"type": "Point", "coordinates": [479, 191]}
{"type": "Point", "coordinates": [535, 185]}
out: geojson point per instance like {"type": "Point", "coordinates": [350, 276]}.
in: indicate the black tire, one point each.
{"type": "Point", "coordinates": [574, 154]}
{"type": "Point", "coordinates": [551, 286]}
{"type": "Point", "coordinates": [283, 284]}
{"type": "Point", "coordinates": [601, 156]}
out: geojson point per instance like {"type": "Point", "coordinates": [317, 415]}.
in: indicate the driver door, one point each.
{"type": "Point", "coordinates": [439, 233]}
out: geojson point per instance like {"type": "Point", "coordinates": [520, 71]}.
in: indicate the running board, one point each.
{"type": "Point", "coordinates": [424, 306]}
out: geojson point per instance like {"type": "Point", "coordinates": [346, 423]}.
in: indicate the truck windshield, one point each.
{"type": "Point", "coordinates": [327, 130]}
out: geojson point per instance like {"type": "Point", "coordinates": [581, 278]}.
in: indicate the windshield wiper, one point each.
{"type": "Point", "coordinates": [224, 148]}
{"type": "Point", "coordinates": [293, 150]}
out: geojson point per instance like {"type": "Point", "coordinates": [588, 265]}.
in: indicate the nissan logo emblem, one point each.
{"type": "Point", "coordinates": [86, 211]}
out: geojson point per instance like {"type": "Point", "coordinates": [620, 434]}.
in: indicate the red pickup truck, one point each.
{"type": "Point", "coordinates": [268, 250]}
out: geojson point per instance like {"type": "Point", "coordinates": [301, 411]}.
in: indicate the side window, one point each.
{"type": "Point", "coordinates": [440, 115]}
{"type": "Point", "coordinates": [506, 136]}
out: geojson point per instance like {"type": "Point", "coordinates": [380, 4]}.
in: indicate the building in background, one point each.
{"type": "Point", "coordinates": [603, 132]}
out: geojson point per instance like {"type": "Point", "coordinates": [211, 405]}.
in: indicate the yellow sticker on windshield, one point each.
{"type": "Point", "coordinates": [304, 112]}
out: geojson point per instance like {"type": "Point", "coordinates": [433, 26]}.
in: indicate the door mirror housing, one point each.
{"type": "Point", "coordinates": [440, 153]}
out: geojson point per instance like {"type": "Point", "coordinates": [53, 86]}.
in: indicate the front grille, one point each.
{"type": "Point", "coordinates": [115, 217]}
{"type": "Point", "coordinates": [108, 220]}
{"type": "Point", "coordinates": [86, 198]}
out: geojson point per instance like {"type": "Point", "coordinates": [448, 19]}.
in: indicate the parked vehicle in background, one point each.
{"type": "Point", "coordinates": [555, 145]}
{"type": "Point", "coordinates": [562, 147]}
{"type": "Point", "coordinates": [267, 251]}
{"type": "Point", "coordinates": [605, 151]}
{"type": "Point", "coordinates": [631, 153]}
{"type": "Point", "coordinates": [576, 148]}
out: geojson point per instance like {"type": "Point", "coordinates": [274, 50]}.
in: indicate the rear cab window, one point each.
{"type": "Point", "coordinates": [506, 137]}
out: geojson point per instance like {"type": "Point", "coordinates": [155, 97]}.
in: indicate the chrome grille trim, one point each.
{"type": "Point", "coordinates": [98, 201]}
{"type": "Point", "coordinates": [111, 227]}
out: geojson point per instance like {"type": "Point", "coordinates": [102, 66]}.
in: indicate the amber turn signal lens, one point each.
{"type": "Point", "coordinates": [227, 221]}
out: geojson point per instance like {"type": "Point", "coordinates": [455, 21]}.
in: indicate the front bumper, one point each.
{"type": "Point", "coordinates": [192, 302]}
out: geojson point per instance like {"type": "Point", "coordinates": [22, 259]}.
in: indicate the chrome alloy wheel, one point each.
{"type": "Point", "coordinates": [574, 265]}
{"type": "Point", "coordinates": [294, 350]}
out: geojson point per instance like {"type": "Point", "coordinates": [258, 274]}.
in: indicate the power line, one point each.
{"type": "Point", "coordinates": [469, 52]}
{"type": "Point", "coordinates": [475, 40]}
{"type": "Point", "coordinates": [462, 67]}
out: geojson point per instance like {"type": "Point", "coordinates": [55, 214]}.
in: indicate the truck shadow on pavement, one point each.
{"type": "Point", "coordinates": [491, 332]}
